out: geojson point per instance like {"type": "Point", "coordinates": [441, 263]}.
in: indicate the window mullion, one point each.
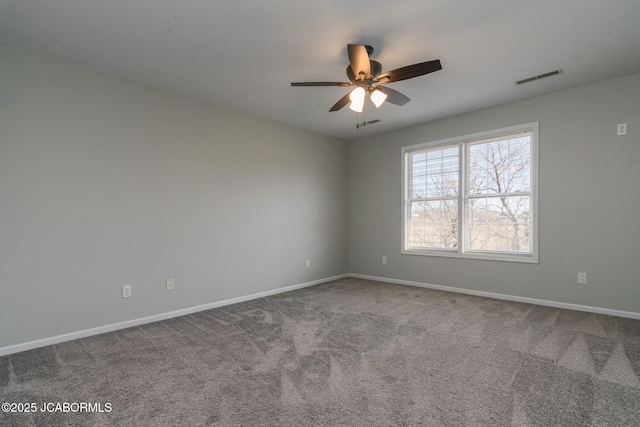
{"type": "Point", "coordinates": [462, 199]}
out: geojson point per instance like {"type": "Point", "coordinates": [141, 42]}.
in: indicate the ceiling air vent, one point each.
{"type": "Point", "coordinates": [541, 76]}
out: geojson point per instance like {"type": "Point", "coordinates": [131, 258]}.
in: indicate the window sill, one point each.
{"type": "Point", "coordinates": [524, 258]}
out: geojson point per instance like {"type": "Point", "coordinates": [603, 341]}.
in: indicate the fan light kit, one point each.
{"type": "Point", "coordinates": [366, 74]}
{"type": "Point", "coordinates": [357, 99]}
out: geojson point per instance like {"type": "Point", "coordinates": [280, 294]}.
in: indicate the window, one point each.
{"type": "Point", "coordinates": [474, 196]}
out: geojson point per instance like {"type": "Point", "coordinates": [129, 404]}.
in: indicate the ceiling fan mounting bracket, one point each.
{"type": "Point", "coordinates": [369, 50]}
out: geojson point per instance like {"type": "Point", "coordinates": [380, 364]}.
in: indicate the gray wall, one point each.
{"type": "Point", "coordinates": [106, 182]}
{"type": "Point", "coordinates": [589, 201]}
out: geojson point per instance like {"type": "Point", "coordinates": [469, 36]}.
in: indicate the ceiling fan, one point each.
{"type": "Point", "coordinates": [367, 76]}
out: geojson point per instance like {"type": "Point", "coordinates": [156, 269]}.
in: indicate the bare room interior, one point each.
{"type": "Point", "coordinates": [319, 213]}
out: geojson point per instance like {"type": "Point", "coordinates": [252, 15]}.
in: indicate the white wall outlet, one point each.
{"type": "Point", "coordinates": [582, 278]}
{"type": "Point", "coordinates": [126, 291]}
{"type": "Point", "coordinates": [170, 284]}
{"type": "Point", "coordinates": [384, 259]}
{"type": "Point", "coordinates": [622, 129]}
{"type": "Point", "coordinates": [308, 263]}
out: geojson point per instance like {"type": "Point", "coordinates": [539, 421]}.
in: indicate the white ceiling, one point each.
{"type": "Point", "coordinates": [244, 54]}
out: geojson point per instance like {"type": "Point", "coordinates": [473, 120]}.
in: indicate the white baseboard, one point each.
{"type": "Point", "coordinates": [155, 318]}
{"type": "Point", "coordinates": [515, 298]}
{"type": "Point", "coordinates": [163, 316]}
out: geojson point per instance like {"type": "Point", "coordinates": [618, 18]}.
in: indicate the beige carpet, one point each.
{"type": "Point", "coordinates": [346, 353]}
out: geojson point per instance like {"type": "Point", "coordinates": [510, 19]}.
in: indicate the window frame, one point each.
{"type": "Point", "coordinates": [462, 143]}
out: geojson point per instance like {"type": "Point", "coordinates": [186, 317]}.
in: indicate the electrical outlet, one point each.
{"type": "Point", "coordinates": [582, 278]}
{"type": "Point", "coordinates": [622, 129]}
{"type": "Point", "coordinates": [126, 291]}
{"type": "Point", "coordinates": [170, 284]}
{"type": "Point", "coordinates": [308, 263]}
{"type": "Point", "coordinates": [384, 259]}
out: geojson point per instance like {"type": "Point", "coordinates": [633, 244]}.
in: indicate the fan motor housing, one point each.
{"type": "Point", "coordinates": [376, 70]}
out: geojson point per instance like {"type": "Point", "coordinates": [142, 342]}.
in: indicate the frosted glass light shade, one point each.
{"type": "Point", "coordinates": [357, 99]}
{"type": "Point", "coordinates": [378, 97]}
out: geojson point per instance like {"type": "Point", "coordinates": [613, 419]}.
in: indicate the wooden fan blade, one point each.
{"type": "Point", "coordinates": [393, 96]}
{"type": "Point", "coordinates": [359, 60]}
{"type": "Point", "coordinates": [410, 71]}
{"type": "Point", "coordinates": [341, 103]}
{"type": "Point", "coordinates": [321, 84]}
